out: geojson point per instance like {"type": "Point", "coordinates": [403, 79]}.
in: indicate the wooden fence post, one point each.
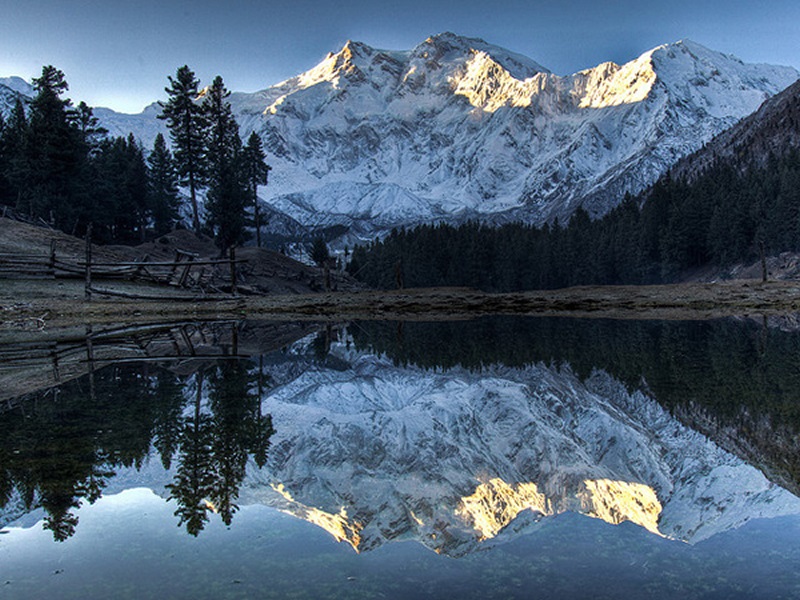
{"type": "Point", "coordinates": [88, 284]}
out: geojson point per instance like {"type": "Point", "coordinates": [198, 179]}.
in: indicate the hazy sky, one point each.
{"type": "Point", "coordinates": [118, 54]}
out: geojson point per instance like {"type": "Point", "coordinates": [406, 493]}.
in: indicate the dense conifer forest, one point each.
{"type": "Point", "coordinates": [58, 166]}
{"type": "Point", "coordinates": [721, 218]}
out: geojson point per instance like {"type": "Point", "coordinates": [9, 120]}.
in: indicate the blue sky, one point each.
{"type": "Point", "coordinates": [118, 54]}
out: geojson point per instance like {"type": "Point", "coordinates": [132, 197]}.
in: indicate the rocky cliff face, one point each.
{"type": "Point", "coordinates": [773, 130]}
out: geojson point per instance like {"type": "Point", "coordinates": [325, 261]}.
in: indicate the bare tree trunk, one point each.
{"type": "Point", "coordinates": [195, 215]}
{"type": "Point", "coordinates": [234, 291]}
{"type": "Point", "coordinates": [257, 216]}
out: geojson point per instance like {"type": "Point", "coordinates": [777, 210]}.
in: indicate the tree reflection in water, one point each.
{"type": "Point", "coordinates": [60, 447]}
{"type": "Point", "coordinates": [214, 446]}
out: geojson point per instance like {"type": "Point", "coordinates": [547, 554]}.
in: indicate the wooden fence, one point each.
{"type": "Point", "coordinates": [187, 271]}
{"type": "Point", "coordinates": [57, 361]}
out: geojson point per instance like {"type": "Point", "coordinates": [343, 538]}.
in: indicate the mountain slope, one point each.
{"type": "Point", "coordinates": [12, 88]}
{"type": "Point", "coordinates": [453, 130]}
{"type": "Point", "coordinates": [773, 129]}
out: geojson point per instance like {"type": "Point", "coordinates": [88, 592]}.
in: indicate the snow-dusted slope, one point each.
{"type": "Point", "coordinates": [12, 88]}
{"type": "Point", "coordinates": [381, 453]}
{"type": "Point", "coordinates": [145, 125]}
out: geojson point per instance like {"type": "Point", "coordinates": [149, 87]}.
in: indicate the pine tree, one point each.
{"type": "Point", "coordinates": [188, 126]}
{"type": "Point", "coordinates": [227, 198]}
{"type": "Point", "coordinates": [164, 201]}
{"type": "Point", "coordinates": [54, 151]}
{"type": "Point", "coordinates": [256, 171]}
{"type": "Point", "coordinates": [137, 184]}
{"type": "Point", "coordinates": [319, 251]}
{"type": "Point", "coordinates": [5, 187]}
{"type": "Point", "coordinates": [92, 133]}
{"type": "Point", "coordinates": [15, 137]}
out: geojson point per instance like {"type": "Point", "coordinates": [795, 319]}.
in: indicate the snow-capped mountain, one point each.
{"type": "Point", "coordinates": [12, 88]}
{"type": "Point", "coordinates": [457, 128]}
{"type": "Point", "coordinates": [773, 130]}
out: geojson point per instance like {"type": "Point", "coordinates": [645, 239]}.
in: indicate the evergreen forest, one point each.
{"type": "Point", "coordinates": [59, 167]}
{"type": "Point", "coordinates": [725, 216]}
{"type": "Point", "coordinates": [62, 452]}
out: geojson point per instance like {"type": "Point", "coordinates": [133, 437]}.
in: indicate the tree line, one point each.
{"type": "Point", "coordinates": [58, 165]}
{"type": "Point", "coordinates": [724, 216]}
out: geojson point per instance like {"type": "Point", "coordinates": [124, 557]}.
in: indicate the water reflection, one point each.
{"type": "Point", "coordinates": [62, 446]}
{"type": "Point", "coordinates": [453, 458]}
{"type": "Point", "coordinates": [450, 434]}
{"type": "Point", "coordinates": [736, 381]}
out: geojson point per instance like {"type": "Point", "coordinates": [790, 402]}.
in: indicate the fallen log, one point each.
{"type": "Point", "coordinates": [163, 297]}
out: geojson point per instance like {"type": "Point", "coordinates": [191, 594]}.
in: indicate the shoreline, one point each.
{"type": "Point", "coordinates": [41, 306]}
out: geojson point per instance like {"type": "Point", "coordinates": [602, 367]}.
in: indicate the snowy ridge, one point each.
{"type": "Point", "coordinates": [12, 88]}
{"type": "Point", "coordinates": [18, 85]}
{"type": "Point", "coordinates": [465, 129]}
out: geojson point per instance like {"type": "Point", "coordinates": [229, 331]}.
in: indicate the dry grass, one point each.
{"type": "Point", "coordinates": [45, 304]}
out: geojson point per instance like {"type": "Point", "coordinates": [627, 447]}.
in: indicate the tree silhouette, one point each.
{"type": "Point", "coordinates": [227, 193]}
{"type": "Point", "coordinates": [188, 128]}
{"type": "Point", "coordinates": [256, 172]}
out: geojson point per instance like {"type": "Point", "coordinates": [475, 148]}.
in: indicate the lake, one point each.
{"type": "Point", "coordinates": [495, 458]}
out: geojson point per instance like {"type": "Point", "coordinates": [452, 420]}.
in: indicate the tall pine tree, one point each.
{"type": "Point", "coordinates": [188, 126]}
{"type": "Point", "coordinates": [256, 171]}
{"type": "Point", "coordinates": [227, 198]}
{"type": "Point", "coordinates": [163, 187]}
{"type": "Point", "coordinates": [54, 151]}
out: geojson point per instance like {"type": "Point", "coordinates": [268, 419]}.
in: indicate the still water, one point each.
{"type": "Point", "coordinates": [495, 458]}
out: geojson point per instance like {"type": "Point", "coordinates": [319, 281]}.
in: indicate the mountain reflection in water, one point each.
{"type": "Point", "coordinates": [459, 436]}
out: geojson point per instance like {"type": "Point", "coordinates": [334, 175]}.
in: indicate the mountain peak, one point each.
{"type": "Point", "coordinates": [354, 48]}
{"type": "Point", "coordinates": [448, 39]}
{"type": "Point", "coordinates": [18, 85]}
{"type": "Point", "coordinates": [448, 46]}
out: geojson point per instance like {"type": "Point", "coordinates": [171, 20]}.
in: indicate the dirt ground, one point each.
{"type": "Point", "coordinates": [40, 305]}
